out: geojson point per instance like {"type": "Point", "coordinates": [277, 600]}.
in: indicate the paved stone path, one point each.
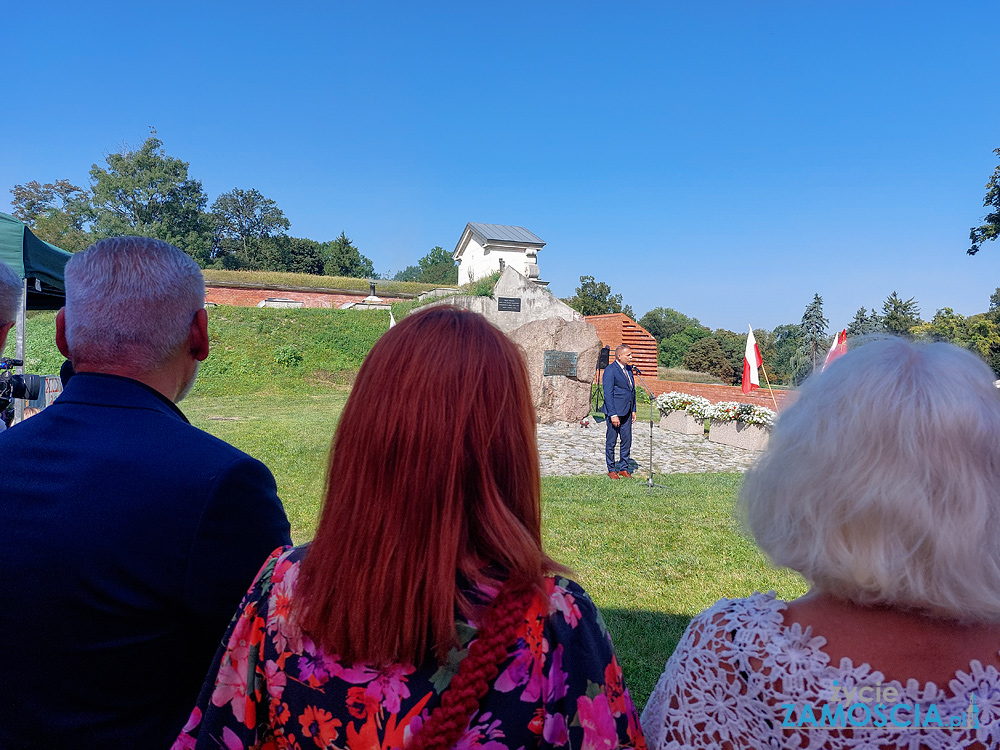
{"type": "Point", "coordinates": [567, 450]}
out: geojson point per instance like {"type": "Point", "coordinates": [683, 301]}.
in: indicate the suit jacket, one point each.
{"type": "Point", "coordinates": [619, 393]}
{"type": "Point", "coordinates": [127, 539]}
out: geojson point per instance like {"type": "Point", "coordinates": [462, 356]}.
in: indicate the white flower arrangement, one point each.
{"type": "Point", "coordinates": [696, 406]}
{"type": "Point", "coordinates": [750, 413]}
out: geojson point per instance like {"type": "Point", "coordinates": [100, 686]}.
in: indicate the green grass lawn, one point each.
{"type": "Point", "coordinates": [650, 561]}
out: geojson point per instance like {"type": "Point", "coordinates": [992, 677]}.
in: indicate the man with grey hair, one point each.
{"type": "Point", "coordinates": [129, 535]}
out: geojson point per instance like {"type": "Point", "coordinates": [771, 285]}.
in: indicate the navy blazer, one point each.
{"type": "Point", "coordinates": [127, 539]}
{"type": "Point", "coordinates": [619, 393]}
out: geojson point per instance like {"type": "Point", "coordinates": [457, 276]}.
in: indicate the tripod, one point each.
{"type": "Point", "coordinates": [650, 484]}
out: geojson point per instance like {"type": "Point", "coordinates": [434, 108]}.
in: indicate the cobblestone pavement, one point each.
{"type": "Point", "coordinates": [568, 450]}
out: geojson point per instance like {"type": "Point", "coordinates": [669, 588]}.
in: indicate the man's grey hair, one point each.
{"type": "Point", "coordinates": [881, 483]}
{"type": "Point", "coordinates": [11, 288]}
{"type": "Point", "coordinates": [621, 348]}
{"type": "Point", "coordinates": [130, 302]}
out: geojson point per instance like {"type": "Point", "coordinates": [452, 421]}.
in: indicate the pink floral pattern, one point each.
{"type": "Point", "coordinates": [272, 687]}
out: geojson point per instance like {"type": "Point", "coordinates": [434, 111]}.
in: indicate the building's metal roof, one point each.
{"type": "Point", "coordinates": [504, 233]}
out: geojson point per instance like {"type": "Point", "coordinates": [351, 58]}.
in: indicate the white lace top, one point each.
{"type": "Point", "coordinates": [741, 679]}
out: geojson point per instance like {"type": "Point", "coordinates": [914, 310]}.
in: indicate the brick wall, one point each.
{"type": "Point", "coordinates": [246, 296]}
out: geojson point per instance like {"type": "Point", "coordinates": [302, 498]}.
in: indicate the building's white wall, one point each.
{"type": "Point", "coordinates": [477, 262]}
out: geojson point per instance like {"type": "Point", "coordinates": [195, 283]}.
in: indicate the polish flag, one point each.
{"type": "Point", "coordinates": [751, 361]}
{"type": "Point", "coordinates": [839, 347]}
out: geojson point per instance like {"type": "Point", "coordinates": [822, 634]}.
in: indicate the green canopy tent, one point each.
{"type": "Point", "coordinates": [41, 266]}
{"type": "Point", "coordinates": [38, 263]}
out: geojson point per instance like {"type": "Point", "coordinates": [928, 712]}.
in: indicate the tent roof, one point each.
{"type": "Point", "coordinates": [31, 258]}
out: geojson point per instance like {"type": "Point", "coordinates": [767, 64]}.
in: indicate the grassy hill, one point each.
{"type": "Point", "coordinates": [255, 350]}
{"type": "Point", "coordinates": [307, 281]}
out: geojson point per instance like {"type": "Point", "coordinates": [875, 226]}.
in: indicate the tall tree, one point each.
{"type": "Point", "coordinates": [671, 351]}
{"type": "Point", "coordinates": [148, 193]}
{"type": "Point", "coordinates": [243, 219]}
{"type": "Point", "coordinates": [899, 315]}
{"type": "Point", "coordinates": [864, 323]}
{"type": "Point", "coordinates": [705, 355]}
{"type": "Point", "coordinates": [662, 322]}
{"type": "Point", "coordinates": [342, 258]}
{"type": "Point", "coordinates": [814, 336]}
{"type": "Point", "coordinates": [58, 212]}
{"type": "Point", "coordinates": [437, 267]}
{"type": "Point", "coordinates": [989, 230]}
{"type": "Point", "coordinates": [595, 298]}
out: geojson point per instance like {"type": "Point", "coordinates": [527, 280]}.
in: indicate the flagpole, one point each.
{"type": "Point", "coordinates": [769, 386]}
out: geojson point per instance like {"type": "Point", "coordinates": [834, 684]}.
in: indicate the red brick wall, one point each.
{"type": "Point", "coordinates": [251, 296]}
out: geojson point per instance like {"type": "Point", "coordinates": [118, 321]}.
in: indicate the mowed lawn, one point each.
{"type": "Point", "coordinates": [650, 560]}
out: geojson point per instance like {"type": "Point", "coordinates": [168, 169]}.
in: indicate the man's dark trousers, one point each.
{"type": "Point", "coordinates": [622, 432]}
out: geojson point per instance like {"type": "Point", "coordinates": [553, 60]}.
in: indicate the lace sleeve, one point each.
{"type": "Point", "coordinates": [703, 698]}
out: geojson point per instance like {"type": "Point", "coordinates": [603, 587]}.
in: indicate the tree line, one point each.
{"type": "Point", "coordinates": [793, 351]}
{"type": "Point", "coordinates": [149, 193]}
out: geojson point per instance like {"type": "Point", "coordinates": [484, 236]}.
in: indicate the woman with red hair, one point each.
{"type": "Point", "coordinates": [424, 613]}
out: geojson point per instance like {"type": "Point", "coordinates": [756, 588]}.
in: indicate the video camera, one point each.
{"type": "Point", "coordinates": [12, 386]}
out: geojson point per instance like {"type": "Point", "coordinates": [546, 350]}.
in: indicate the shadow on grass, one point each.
{"type": "Point", "coordinates": [643, 641]}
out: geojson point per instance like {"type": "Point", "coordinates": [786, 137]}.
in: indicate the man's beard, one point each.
{"type": "Point", "coordinates": [190, 384]}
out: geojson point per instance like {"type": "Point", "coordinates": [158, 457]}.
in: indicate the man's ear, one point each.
{"type": "Point", "coordinates": [198, 336]}
{"type": "Point", "coordinates": [61, 333]}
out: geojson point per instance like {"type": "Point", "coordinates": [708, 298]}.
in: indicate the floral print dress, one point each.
{"type": "Point", "coordinates": [270, 686]}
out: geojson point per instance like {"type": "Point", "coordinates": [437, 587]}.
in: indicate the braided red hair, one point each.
{"type": "Point", "coordinates": [477, 671]}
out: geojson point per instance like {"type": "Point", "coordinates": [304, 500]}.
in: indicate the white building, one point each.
{"type": "Point", "coordinates": [486, 248]}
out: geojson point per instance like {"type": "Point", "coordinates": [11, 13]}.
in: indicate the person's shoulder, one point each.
{"type": "Point", "coordinates": [569, 604]}
{"type": "Point", "coordinates": [758, 616]}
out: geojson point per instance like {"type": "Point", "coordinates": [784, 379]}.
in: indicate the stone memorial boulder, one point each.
{"type": "Point", "coordinates": [562, 359]}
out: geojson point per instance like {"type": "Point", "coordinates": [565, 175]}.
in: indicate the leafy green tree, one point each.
{"type": "Point", "coordinates": [705, 355]}
{"type": "Point", "coordinates": [145, 192]}
{"type": "Point", "coordinates": [899, 315]}
{"type": "Point", "coordinates": [672, 349]}
{"type": "Point", "coordinates": [58, 212]}
{"type": "Point", "coordinates": [864, 323]}
{"type": "Point", "coordinates": [734, 346]}
{"type": "Point", "coordinates": [243, 221]}
{"type": "Point", "coordinates": [662, 322]}
{"type": "Point", "coordinates": [995, 304]}
{"type": "Point", "coordinates": [437, 267]}
{"type": "Point", "coordinates": [595, 298]}
{"type": "Point", "coordinates": [946, 325]}
{"type": "Point", "coordinates": [293, 254]}
{"type": "Point", "coordinates": [989, 230]}
{"type": "Point", "coordinates": [781, 353]}
{"type": "Point", "coordinates": [813, 325]}
{"type": "Point", "coordinates": [342, 258]}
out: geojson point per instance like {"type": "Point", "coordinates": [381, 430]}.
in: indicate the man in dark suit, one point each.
{"type": "Point", "coordinates": [127, 536]}
{"type": "Point", "coordinates": [619, 407]}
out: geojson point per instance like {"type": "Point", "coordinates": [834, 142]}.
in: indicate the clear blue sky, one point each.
{"type": "Point", "coordinates": [727, 159]}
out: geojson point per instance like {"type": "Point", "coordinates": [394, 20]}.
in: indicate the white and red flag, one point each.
{"type": "Point", "coordinates": [839, 347]}
{"type": "Point", "coordinates": [751, 361]}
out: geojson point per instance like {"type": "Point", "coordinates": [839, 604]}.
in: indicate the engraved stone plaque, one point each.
{"type": "Point", "coordinates": [560, 363]}
{"type": "Point", "coordinates": [509, 304]}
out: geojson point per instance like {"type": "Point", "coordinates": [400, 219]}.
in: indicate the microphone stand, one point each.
{"type": "Point", "coordinates": [650, 484]}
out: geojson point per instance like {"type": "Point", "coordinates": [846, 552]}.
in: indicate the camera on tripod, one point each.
{"type": "Point", "coordinates": [13, 386]}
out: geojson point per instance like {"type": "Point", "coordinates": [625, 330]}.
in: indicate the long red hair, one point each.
{"type": "Point", "coordinates": [433, 476]}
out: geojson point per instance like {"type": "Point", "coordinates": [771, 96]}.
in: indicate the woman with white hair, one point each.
{"type": "Point", "coordinates": [881, 486]}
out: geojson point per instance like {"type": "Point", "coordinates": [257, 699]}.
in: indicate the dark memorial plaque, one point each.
{"type": "Point", "coordinates": [560, 363]}
{"type": "Point", "coordinates": [509, 304]}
